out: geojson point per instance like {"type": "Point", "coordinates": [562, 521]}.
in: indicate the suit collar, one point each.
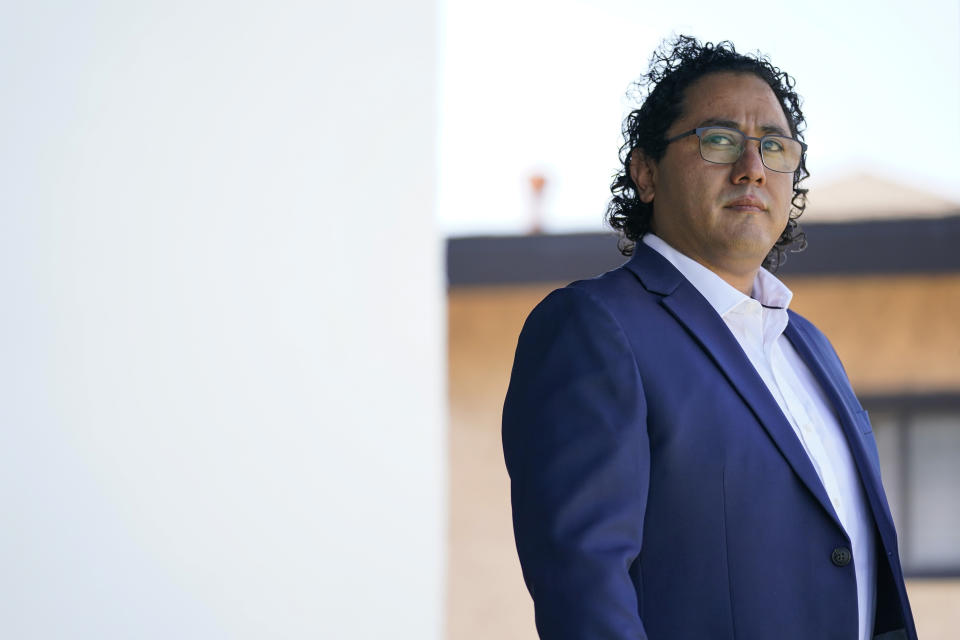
{"type": "Point", "coordinates": [768, 289]}
{"type": "Point", "coordinates": [654, 271]}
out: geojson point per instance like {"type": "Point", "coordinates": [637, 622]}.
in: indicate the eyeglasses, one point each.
{"type": "Point", "coordinates": [723, 145]}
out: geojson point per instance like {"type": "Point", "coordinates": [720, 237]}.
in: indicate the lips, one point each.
{"type": "Point", "coordinates": [746, 204]}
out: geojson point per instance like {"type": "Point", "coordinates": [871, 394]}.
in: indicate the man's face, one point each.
{"type": "Point", "coordinates": [726, 216]}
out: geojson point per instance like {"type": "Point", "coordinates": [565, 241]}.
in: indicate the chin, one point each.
{"type": "Point", "coordinates": [751, 248]}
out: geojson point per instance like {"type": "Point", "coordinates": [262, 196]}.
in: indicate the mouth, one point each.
{"type": "Point", "coordinates": [746, 205]}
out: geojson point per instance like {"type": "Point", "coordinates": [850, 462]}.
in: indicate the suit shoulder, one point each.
{"type": "Point", "coordinates": [615, 288]}
{"type": "Point", "coordinates": [568, 302]}
{"type": "Point", "coordinates": [599, 290]}
{"type": "Point", "coordinates": [609, 284]}
{"type": "Point", "coordinates": [594, 302]}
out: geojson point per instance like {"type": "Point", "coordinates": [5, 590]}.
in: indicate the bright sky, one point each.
{"type": "Point", "coordinates": [539, 86]}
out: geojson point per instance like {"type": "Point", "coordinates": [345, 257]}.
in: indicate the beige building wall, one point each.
{"type": "Point", "coordinates": [892, 333]}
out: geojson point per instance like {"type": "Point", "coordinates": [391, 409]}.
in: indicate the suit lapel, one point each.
{"type": "Point", "coordinates": [693, 311]}
{"type": "Point", "coordinates": [834, 383]}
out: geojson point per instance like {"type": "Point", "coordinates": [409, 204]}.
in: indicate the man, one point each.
{"type": "Point", "coordinates": [687, 457]}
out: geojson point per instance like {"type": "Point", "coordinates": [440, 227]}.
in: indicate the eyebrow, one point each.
{"type": "Point", "coordinates": [767, 128]}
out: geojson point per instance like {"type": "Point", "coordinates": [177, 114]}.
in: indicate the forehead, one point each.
{"type": "Point", "coordinates": [743, 98]}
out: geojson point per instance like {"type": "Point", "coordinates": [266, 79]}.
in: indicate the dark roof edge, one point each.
{"type": "Point", "coordinates": [874, 247]}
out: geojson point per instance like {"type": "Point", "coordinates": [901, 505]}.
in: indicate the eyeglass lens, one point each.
{"type": "Point", "coordinates": [725, 146]}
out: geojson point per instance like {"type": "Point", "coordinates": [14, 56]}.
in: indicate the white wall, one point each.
{"type": "Point", "coordinates": [222, 329]}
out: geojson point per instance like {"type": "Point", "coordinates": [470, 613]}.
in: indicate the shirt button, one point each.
{"type": "Point", "coordinates": [840, 556]}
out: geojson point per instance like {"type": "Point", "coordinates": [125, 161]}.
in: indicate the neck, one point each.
{"type": "Point", "coordinates": [739, 272]}
{"type": "Point", "coordinates": [740, 280]}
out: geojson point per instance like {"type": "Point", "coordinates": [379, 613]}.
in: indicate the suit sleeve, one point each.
{"type": "Point", "coordinates": [577, 451]}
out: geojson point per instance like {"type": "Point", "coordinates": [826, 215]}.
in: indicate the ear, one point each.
{"type": "Point", "coordinates": [643, 171]}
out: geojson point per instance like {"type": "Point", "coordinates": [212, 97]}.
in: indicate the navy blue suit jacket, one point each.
{"type": "Point", "coordinates": [658, 490]}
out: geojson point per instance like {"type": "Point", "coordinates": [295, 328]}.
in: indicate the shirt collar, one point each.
{"type": "Point", "coordinates": [722, 296]}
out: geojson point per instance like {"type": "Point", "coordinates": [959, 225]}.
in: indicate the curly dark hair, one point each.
{"type": "Point", "coordinates": [674, 66]}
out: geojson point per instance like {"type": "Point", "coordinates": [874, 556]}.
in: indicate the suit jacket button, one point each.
{"type": "Point", "coordinates": [841, 556]}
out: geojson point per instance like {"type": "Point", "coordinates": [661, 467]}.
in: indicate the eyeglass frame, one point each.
{"type": "Point", "coordinates": [699, 130]}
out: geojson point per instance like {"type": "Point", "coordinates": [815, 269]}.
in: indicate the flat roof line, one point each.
{"type": "Point", "coordinates": [875, 247]}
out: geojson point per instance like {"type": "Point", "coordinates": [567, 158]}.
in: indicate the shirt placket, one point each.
{"type": "Point", "coordinates": [805, 426]}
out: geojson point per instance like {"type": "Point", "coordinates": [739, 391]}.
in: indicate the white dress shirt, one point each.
{"type": "Point", "coordinates": [758, 323]}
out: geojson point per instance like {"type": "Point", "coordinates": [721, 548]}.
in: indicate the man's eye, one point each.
{"type": "Point", "coordinates": [719, 139]}
{"type": "Point", "coordinates": [772, 145]}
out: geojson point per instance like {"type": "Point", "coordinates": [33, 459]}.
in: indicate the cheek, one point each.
{"type": "Point", "coordinates": [782, 191]}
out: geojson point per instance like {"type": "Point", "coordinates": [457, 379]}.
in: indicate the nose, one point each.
{"type": "Point", "coordinates": [749, 167]}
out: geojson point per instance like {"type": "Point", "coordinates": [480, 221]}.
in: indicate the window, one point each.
{"type": "Point", "coordinates": [918, 438]}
